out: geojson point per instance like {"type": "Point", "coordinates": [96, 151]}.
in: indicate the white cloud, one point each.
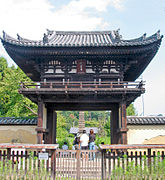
{"type": "Point", "coordinates": [118, 4]}
{"type": "Point", "coordinates": [30, 18]}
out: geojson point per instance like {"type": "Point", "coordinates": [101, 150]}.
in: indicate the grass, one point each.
{"type": "Point", "coordinates": [128, 171]}
{"type": "Point", "coordinates": [156, 171]}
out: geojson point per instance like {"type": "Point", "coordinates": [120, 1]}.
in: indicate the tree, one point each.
{"type": "Point", "coordinates": [61, 126]}
{"type": "Point", "coordinates": [72, 118]}
{"type": "Point", "coordinates": [131, 111]}
{"type": "Point", "coordinates": [107, 127]}
{"type": "Point", "coordinates": [11, 102]}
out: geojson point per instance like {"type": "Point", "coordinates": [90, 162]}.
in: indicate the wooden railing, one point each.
{"type": "Point", "coordinates": [109, 162]}
{"type": "Point", "coordinates": [23, 159]}
{"type": "Point", "coordinates": [83, 85]}
{"type": "Point", "coordinates": [145, 160]}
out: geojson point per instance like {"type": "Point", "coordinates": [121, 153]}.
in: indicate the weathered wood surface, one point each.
{"type": "Point", "coordinates": [74, 85]}
{"type": "Point", "coordinates": [132, 146]}
{"type": "Point", "coordinates": [29, 146]}
{"type": "Point", "coordinates": [80, 164]}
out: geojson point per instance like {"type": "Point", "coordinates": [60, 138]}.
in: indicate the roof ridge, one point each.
{"type": "Point", "coordinates": [84, 32]}
{"type": "Point", "coordinates": [98, 39]}
{"type": "Point", "coordinates": [145, 116]}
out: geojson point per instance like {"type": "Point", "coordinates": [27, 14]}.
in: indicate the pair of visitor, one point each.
{"type": "Point", "coordinates": [87, 141]}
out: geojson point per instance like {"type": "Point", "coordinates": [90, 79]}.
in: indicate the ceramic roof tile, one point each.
{"type": "Point", "coordinates": [131, 120]}
{"type": "Point", "coordinates": [18, 121]}
{"type": "Point", "coordinates": [83, 38]}
{"type": "Point", "coordinates": [150, 120]}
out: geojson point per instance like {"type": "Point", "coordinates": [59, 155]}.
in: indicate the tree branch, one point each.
{"type": "Point", "coordinates": [30, 109]}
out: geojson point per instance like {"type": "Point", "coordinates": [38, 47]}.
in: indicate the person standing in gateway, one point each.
{"type": "Point", "coordinates": [84, 139]}
{"type": "Point", "coordinates": [92, 139]}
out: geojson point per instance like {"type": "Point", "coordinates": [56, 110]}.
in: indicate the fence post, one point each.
{"type": "Point", "coordinates": [103, 164]}
{"type": "Point", "coordinates": [53, 163]}
{"type": "Point", "coordinates": [149, 159]}
{"type": "Point", "coordinates": [78, 164]}
{"type": "Point", "coordinates": [8, 153]}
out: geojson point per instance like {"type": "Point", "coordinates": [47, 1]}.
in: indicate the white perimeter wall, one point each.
{"type": "Point", "coordinates": [146, 134]}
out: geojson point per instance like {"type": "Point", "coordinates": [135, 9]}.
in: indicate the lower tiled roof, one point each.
{"type": "Point", "coordinates": [18, 121]}
{"type": "Point", "coordinates": [131, 120]}
{"type": "Point", "coordinates": [149, 120]}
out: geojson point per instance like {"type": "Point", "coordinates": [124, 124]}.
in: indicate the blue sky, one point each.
{"type": "Point", "coordinates": [31, 18]}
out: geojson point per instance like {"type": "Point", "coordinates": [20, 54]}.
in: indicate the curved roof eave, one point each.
{"type": "Point", "coordinates": [82, 39]}
{"type": "Point", "coordinates": [147, 46]}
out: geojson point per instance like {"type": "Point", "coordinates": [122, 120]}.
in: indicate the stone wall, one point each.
{"type": "Point", "coordinates": [18, 134]}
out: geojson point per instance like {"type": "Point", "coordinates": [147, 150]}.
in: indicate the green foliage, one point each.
{"type": "Point", "coordinates": [71, 118]}
{"type": "Point", "coordinates": [107, 127]}
{"type": "Point", "coordinates": [61, 126]}
{"type": "Point", "coordinates": [140, 171]}
{"type": "Point", "coordinates": [11, 102]}
{"type": "Point", "coordinates": [131, 111]}
{"type": "Point", "coordinates": [125, 170]}
{"type": "Point", "coordinates": [8, 170]}
{"type": "Point", "coordinates": [92, 123]}
{"type": "Point", "coordinates": [103, 139]}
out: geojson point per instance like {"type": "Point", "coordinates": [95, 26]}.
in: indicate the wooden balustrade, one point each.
{"type": "Point", "coordinates": [131, 156]}
{"type": "Point", "coordinates": [83, 85]}
{"type": "Point", "coordinates": [104, 163]}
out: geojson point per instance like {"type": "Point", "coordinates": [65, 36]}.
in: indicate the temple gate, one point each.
{"type": "Point", "coordinates": [82, 71]}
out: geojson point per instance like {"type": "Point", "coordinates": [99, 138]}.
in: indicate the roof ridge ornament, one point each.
{"type": "Point", "coordinates": [18, 37]}
{"type": "Point", "coordinates": [49, 32]}
{"type": "Point", "coordinates": [4, 35]}
{"type": "Point", "coordinates": [144, 36]}
{"type": "Point", "coordinates": [45, 38]}
{"type": "Point", "coordinates": [158, 34]}
{"type": "Point", "coordinates": [117, 34]}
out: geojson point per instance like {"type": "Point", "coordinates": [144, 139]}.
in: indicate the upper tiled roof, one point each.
{"type": "Point", "coordinates": [150, 120]}
{"type": "Point", "coordinates": [74, 130]}
{"type": "Point", "coordinates": [18, 121]}
{"type": "Point", "coordinates": [82, 38]}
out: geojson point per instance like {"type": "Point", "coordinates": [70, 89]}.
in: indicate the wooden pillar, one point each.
{"type": "Point", "coordinates": [51, 126]}
{"type": "Point", "coordinates": [114, 124]}
{"type": "Point", "coordinates": [54, 127]}
{"type": "Point", "coordinates": [39, 128]}
{"type": "Point", "coordinates": [103, 164]}
{"type": "Point", "coordinates": [123, 122]}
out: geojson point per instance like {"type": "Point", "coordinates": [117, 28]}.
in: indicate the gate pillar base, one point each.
{"type": "Point", "coordinates": [122, 133]}
{"type": "Point", "coordinates": [40, 134]}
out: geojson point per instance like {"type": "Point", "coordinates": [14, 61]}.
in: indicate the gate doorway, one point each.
{"type": "Point", "coordinates": [78, 164]}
